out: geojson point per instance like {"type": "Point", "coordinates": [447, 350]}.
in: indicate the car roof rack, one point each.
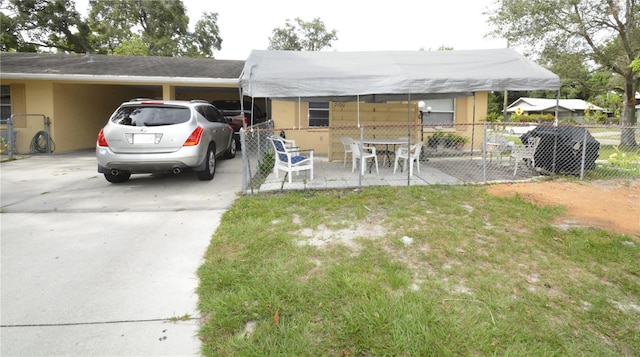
{"type": "Point", "coordinates": [199, 101]}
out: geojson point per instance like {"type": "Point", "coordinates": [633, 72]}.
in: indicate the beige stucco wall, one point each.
{"type": "Point", "coordinates": [77, 111]}
{"type": "Point", "coordinates": [81, 110]}
{"type": "Point", "coordinates": [382, 120]}
{"type": "Point", "coordinates": [36, 97]}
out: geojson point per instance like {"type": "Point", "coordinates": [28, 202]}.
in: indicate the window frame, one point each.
{"type": "Point", "coordinates": [5, 101]}
{"type": "Point", "coordinates": [318, 121]}
{"type": "Point", "coordinates": [438, 109]}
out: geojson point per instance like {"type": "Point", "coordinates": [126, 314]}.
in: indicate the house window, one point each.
{"type": "Point", "coordinates": [442, 112]}
{"type": "Point", "coordinates": [318, 113]}
{"type": "Point", "coordinates": [5, 102]}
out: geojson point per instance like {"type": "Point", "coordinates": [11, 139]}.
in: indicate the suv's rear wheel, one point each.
{"type": "Point", "coordinates": [210, 165]}
{"type": "Point", "coordinates": [119, 178]}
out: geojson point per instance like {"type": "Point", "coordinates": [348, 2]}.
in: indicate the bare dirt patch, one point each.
{"type": "Point", "coordinates": [610, 205]}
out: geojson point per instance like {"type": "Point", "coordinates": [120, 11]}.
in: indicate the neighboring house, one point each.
{"type": "Point", "coordinates": [574, 108]}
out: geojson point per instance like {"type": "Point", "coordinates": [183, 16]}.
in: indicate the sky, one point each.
{"type": "Point", "coordinates": [397, 25]}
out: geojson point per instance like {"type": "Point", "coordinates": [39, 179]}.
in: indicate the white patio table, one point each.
{"type": "Point", "coordinates": [386, 142]}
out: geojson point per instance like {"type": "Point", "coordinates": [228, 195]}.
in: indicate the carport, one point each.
{"type": "Point", "coordinates": [78, 93]}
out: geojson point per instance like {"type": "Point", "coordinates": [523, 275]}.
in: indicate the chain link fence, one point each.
{"type": "Point", "coordinates": [448, 154]}
{"type": "Point", "coordinates": [25, 134]}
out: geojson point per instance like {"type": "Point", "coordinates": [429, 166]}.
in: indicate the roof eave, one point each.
{"type": "Point", "coordinates": [122, 79]}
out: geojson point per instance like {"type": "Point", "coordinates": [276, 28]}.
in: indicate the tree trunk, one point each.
{"type": "Point", "coordinates": [629, 111]}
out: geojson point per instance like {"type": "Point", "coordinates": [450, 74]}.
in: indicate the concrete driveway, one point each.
{"type": "Point", "coordinates": [91, 268]}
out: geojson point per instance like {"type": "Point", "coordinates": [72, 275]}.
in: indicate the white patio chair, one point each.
{"type": "Point", "coordinates": [346, 141]}
{"type": "Point", "coordinates": [525, 152]}
{"type": "Point", "coordinates": [498, 145]}
{"type": "Point", "coordinates": [290, 160]}
{"type": "Point", "coordinates": [409, 156]}
{"type": "Point", "coordinates": [368, 152]}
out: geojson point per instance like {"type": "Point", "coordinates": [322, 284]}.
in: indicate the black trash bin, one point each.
{"type": "Point", "coordinates": [560, 149]}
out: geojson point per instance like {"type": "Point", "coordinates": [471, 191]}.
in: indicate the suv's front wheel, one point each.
{"type": "Point", "coordinates": [231, 152]}
{"type": "Point", "coordinates": [210, 165]}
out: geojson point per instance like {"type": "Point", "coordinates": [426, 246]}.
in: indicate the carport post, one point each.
{"type": "Point", "coordinates": [47, 129]}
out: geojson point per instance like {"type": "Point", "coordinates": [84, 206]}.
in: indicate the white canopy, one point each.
{"type": "Point", "coordinates": [387, 74]}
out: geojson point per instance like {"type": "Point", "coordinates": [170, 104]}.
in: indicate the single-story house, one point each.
{"type": "Point", "coordinates": [303, 91]}
{"type": "Point", "coordinates": [566, 107]}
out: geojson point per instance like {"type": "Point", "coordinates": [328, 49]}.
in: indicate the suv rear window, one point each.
{"type": "Point", "coordinates": [151, 115]}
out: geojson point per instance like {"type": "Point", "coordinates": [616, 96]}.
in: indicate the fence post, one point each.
{"type": "Point", "coordinates": [10, 137]}
{"type": "Point", "coordinates": [484, 153]}
{"type": "Point", "coordinates": [245, 161]}
{"type": "Point", "coordinates": [584, 153]}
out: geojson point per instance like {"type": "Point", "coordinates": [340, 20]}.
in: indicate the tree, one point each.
{"type": "Point", "coordinates": [606, 32]}
{"type": "Point", "coordinates": [127, 27]}
{"type": "Point", "coordinates": [302, 36]}
{"type": "Point", "coordinates": [161, 25]}
{"type": "Point", "coordinates": [205, 38]}
{"type": "Point", "coordinates": [51, 24]}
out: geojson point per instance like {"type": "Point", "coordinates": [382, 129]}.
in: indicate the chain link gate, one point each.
{"type": "Point", "coordinates": [25, 138]}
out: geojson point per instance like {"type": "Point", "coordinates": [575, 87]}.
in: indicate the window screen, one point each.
{"type": "Point", "coordinates": [318, 113]}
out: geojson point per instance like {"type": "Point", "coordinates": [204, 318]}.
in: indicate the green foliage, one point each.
{"type": "Point", "coordinates": [4, 146]}
{"type": "Point", "coordinates": [133, 46]}
{"type": "Point", "coordinates": [635, 65]}
{"type": "Point", "coordinates": [625, 160]}
{"type": "Point", "coordinates": [610, 101]}
{"type": "Point", "coordinates": [128, 27]}
{"type": "Point", "coordinates": [532, 118]}
{"type": "Point", "coordinates": [267, 162]}
{"type": "Point", "coordinates": [453, 140]}
{"type": "Point", "coordinates": [162, 25]}
{"type": "Point", "coordinates": [494, 118]}
{"type": "Point", "coordinates": [594, 116]}
{"type": "Point", "coordinates": [577, 37]}
{"type": "Point", "coordinates": [48, 24]}
{"type": "Point", "coordinates": [302, 36]}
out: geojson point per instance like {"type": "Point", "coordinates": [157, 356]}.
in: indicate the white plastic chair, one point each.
{"type": "Point", "coordinates": [368, 152]}
{"type": "Point", "coordinates": [346, 141]}
{"type": "Point", "coordinates": [290, 160]}
{"type": "Point", "coordinates": [526, 152]}
{"type": "Point", "coordinates": [409, 156]}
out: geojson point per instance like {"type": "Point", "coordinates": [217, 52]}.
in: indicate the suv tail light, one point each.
{"type": "Point", "coordinates": [102, 141]}
{"type": "Point", "coordinates": [246, 120]}
{"type": "Point", "coordinates": [194, 138]}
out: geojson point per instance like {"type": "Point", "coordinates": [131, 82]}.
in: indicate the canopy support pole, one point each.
{"type": "Point", "coordinates": [409, 139]}
{"type": "Point", "coordinates": [358, 108]}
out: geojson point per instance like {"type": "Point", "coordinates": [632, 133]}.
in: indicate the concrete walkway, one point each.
{"type": "Point", "coordinates": [91, 268]}
{"type": "Point", "coordinates": [434, 171]}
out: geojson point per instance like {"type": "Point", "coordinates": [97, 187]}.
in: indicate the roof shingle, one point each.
{"type": "Point", "coordinates": [106, 65]}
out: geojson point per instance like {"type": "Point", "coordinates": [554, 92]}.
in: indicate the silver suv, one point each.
{"type": "Point", "coordinates": [148, 136]}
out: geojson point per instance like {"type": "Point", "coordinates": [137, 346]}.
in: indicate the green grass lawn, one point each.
{"type": "Point", "coordinates": [414, 271]}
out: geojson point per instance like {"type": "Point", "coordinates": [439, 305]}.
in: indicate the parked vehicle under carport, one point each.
{"type": "Point", "coordinates": [149, 136]}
